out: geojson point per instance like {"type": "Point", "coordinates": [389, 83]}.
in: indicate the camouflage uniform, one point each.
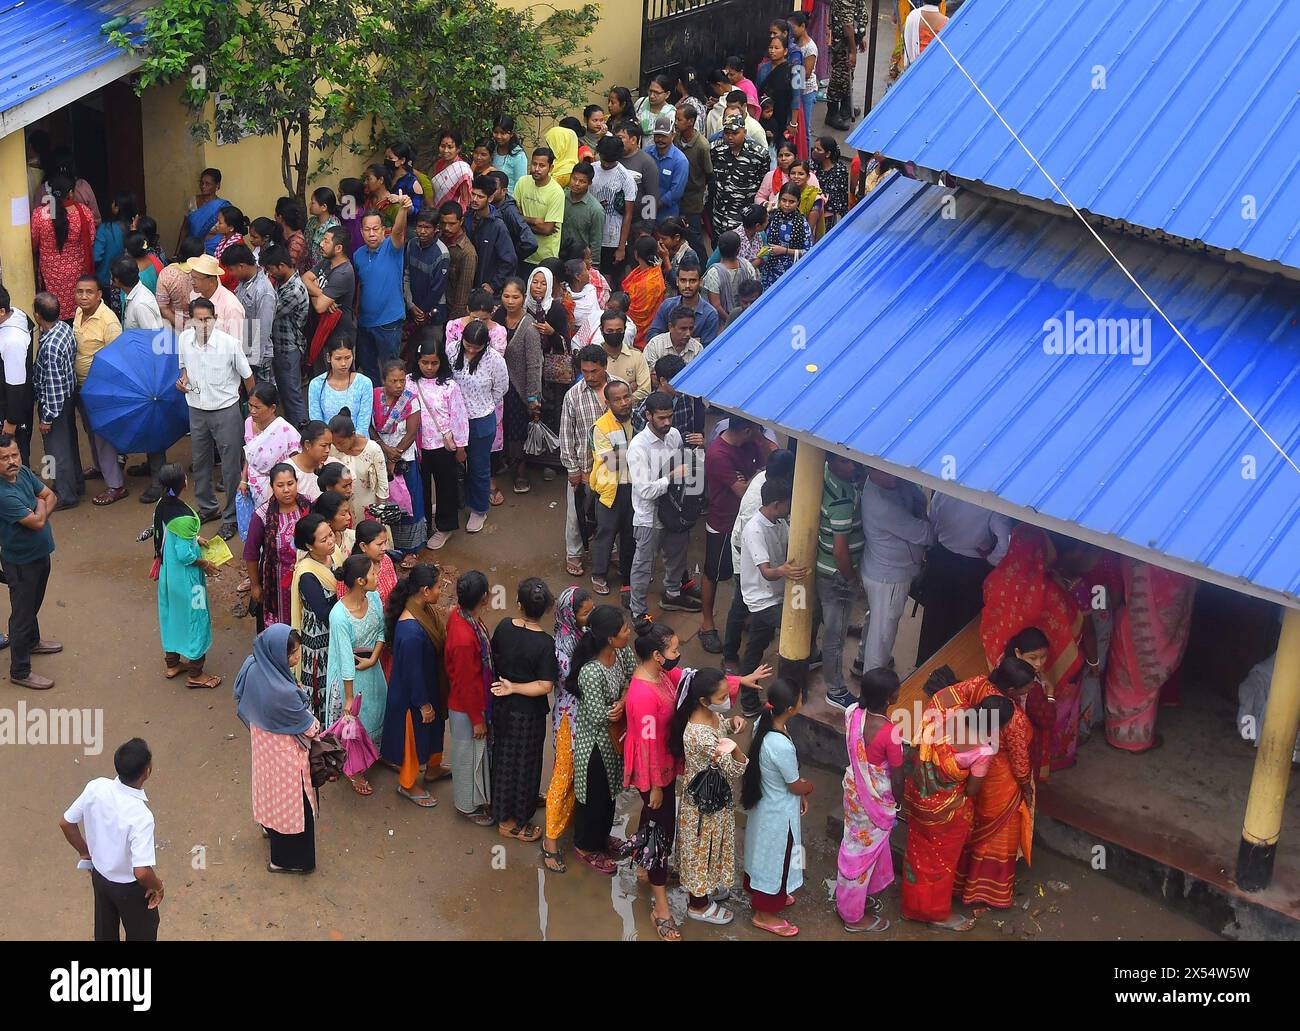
{"type": "Point", "coordinates": [843, 17]}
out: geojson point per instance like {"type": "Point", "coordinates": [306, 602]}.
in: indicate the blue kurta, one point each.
{"type": "Point", "coordinates": [346, 634]}
{"type": "Point", "coordinates": [183, 617]}
{"type": "Point", "coordinates": [776, 816]}
{"type": "Point", "coordinates": [415, 682]}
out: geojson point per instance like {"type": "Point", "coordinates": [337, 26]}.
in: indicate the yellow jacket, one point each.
{"type": "Point", "coordinates": [609, 441]}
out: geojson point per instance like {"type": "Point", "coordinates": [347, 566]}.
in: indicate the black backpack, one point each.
{"type": "Point", "coordinates": [679, 507]}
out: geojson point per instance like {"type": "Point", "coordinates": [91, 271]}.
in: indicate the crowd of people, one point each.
{"type": "Point", "coordinates": [411, 343]}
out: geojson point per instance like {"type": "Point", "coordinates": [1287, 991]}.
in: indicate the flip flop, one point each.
{"type": "Point", "coordinates": [877, 925]}
{"type": "Point", "coordinates": [208, 683]}
{"type": "Point", "coordinates": [425, 801]}
{"type": "Point", "coordinates": [408, 563]}
{"type": "Point", "coordinates": [573, 566]}
{"type": "Point", "coordinates": [496, 498]}
{"type": "Point", "coordinates": [478, 819]}
{"type": "Point", "coordinates": [784, 929]}
{"type": "Point", "coordinates": [525, 832]}
{"type": "Point", "coordinates": [368, 790]}
{"type": "Point", "coordinates": [556, 857]}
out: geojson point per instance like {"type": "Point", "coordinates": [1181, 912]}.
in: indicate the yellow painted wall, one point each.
{"type": "Point", "coordinates": [16, 265]}
{"type": "Point", "coordinates": [172, 160]}
{"type": "Point", "coordinates": [615, 43]}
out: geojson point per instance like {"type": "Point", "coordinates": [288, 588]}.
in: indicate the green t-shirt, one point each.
{"type": "Point", "coordinates": [18, 544]}
{"type": "Point", "coordinates": [546, 203]}
{"type": "Point", "coordinates": [584, 221]}
{"type": "Point", "coordinates": [841, 513]}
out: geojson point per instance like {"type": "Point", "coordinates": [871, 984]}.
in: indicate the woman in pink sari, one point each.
{"type": "Point", "coordinates": [1146, 650]}
{"type": "Point", "coordinates": [452, 175]}
{"type": "Point", "coordinates": [873, 782]}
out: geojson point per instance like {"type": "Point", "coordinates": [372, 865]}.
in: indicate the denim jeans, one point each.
{"type": "Point", "coordinates": [836, 596]}
{"type": "Point", "coordinates": [808, 101]}
{"type": "Point", "coordinates": [482, 432]}
{"type": "Point", "coordinates": [286, 367]}
{"type": "Point", "coordinates": [375, 345]}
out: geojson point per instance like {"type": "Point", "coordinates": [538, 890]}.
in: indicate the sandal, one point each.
{"type": "Point", "coordinates": [877, 924]}
{"type": "Point", "coordinates": [436, 775]}
{"type": "Point", "coordinates": [600, 585]}
{"type": "Point", "coordinates": [496, 498]}
{"type": "Point", "coordinates": [245, 585]}
{"type": "Point", "coordinates": [784, 929]}
{"type": "Point", "coordinates": [409, 562]}
{"type": "Point", "coordinates": [208, 682]}
{"type": "Point", "coordinates": [554, 861]}
{"type": "Point", "coordinates": [361, 786]}
{"type": "Point", "coordinates": [478, 818]}
{"type": "Point", "coordinates": [573, 565]}
{"type": "Point", "coordinates": [525, 832]}
{"type": "Point", "coordinates": [666, 929]}
{"type": "Point", "coordinates": [425, 801]}
{"type": "Point", "coordinates": [712, 914]}
{"type": "Point", "coordinates": [598, 862]}
{"type": "Point", "coordinates": [172, 672]}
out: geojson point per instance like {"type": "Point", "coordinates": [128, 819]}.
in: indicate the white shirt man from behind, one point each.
{"type": "Point", "coordinates": [117, 846]}
{"type": "Point", "coordinates": [213, 366]}
{"type": "Point", "coordinates": [656, 461]}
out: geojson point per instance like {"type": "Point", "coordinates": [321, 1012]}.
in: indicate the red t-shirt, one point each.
{"type": "Point", "coordinates": [463, 659]}
{"type": "Point", "coordinates": [722, 461]}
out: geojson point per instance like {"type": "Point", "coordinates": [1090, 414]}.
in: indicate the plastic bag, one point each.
{"type": "Point", "coordinates": [400, 494]}
{"type": "Point", "coordinates": [541, 439]}
{"type": "Point", "coordinates": [351, 733]}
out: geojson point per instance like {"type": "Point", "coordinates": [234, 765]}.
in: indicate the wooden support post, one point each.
{"type": "Point", "coordinates": [797, 612]}
{"type": "Point", "coordinates": [17, 269]}
{"type": "Point", "coordinates": [1268, 783]}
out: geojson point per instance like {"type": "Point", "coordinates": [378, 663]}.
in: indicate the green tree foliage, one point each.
{"type": "Point", "coordinates": [314, 72]}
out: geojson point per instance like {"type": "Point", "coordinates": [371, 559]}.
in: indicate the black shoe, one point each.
{"type": "Point", "coordinates": [836, 116]}
{"type": "Point", "coordinates": [841, 699]}
{"type": "Point", "coordinates": [227, 531]}
{"type": "Point", "coordinates": [710, 642]}
{"type": "Point", "coordinates": [150, 496]}
{"type": "Point", "coordinates": [210, 517]}
{"type": "Point", "coordinates": [139, 469]}
{"type": "Point", "coordinates": [679, 603]}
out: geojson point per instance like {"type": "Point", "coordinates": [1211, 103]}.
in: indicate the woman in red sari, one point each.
{"type": "Point", "coordinates": [451, 176]}
{"type": "Point", "coordinates": [1003, 825]}
{"type": "Point", "coordinates": [63, 237]}
{"type": "Point", "coordinates": [1022, 591]}
{"type": "Point", "coordinates": [1145, 652]}
{"type": "Point", "coordinates": [943, 776]}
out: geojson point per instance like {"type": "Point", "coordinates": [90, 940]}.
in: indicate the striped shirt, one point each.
{"type": "Point", "coordinates": [841, 513]}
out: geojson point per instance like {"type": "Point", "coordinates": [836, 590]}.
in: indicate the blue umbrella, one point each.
{"type": "Point", "coordinates": [130, 395]}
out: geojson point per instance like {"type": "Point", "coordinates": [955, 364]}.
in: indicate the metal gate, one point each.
{"type": "Point", "coordinates": [703, 33]}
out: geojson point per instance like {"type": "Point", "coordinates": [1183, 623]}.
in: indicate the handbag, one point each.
{"type": "Point", "coordinates": [710, 792]}
{"type": "Point", "coordinates": [557, 368]}
{"type": "Point", "coordinates": [326, 757]}
{"type": "Point", "coordinates": [386, 512]}
{"type": "Point", "coordinates": [400, 494]}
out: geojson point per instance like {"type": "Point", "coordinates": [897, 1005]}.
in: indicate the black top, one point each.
{"type": "Point", "coordinates": [521, 655]}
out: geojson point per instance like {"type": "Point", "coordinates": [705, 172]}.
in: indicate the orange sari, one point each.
{"type": "Point", "coordinates": [938, 816]}
{"type": "Point", "coordinates": [1003, 818]}
{"type": "Point", "coordinates": [645, 287]}
{"type": "Point", "coordinates": [1020, 593]}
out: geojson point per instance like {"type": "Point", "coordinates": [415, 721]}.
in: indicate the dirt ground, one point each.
{"type": "Point", "coordinates": [386, 869]}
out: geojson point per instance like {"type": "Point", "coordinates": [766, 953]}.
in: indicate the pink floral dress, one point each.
{"type": "Point", "coordinates": [497, 338]}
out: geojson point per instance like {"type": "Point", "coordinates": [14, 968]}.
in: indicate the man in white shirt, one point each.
{"type": "Point", "coordinates": [18, 399]}
{"type": "Point", "coordinates": [141, 311]}
{"type": "Point", "coordinates": [117, 846]}
{"type": "Point", "coordinates": [763, 572]}
{"type": "Point", "coordinates": [655, 460]}
{"type": "Point", "coordinates": [969, 541]}
{"type": "Point", "coordinates": [212, 368]}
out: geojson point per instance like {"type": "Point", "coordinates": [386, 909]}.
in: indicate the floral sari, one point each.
{"type": "Point", "coordinates": [276, 562]}
{"type": "Point", "coordinates": [938, 817]}
{"type": "Point", "coordinates": [865, 865]}
{"type": "Point", "coordinates": [1020, 593]}
{"type": "Point", "coordinates": [645, 287]}
{"type": "Point", "coordinates": [1003, 824]}
{"type": "Point", "coordinates": [1146, 649]}
{"type": "Point", "coordinates": [264, 451]}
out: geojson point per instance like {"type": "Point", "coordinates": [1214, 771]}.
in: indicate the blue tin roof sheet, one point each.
{"type": "Point", "coordinates": [49, 42]}
{"type": "Point", "coordinates": [916, 333]}
{"type": "Point", "coordinates": [1180, 116]}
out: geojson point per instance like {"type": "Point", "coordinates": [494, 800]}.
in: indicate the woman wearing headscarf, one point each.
{"type": "Point", "coordinates": [415, 711]}
{"type": "Point", "coordinates": [184, 621]}
{"type": "Point", "coordinates": [564, 142]}
{"type": "Point", "coordinates": [572, 611]}
{"type": "Point", "coordinates": [274, 708]}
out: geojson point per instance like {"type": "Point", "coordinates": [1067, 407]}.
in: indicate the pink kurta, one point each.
{"type": "Point", "coordinates": [281, 774]}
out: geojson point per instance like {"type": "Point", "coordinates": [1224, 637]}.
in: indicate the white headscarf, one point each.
{"type": "Point", "coordinates": [538, 309]}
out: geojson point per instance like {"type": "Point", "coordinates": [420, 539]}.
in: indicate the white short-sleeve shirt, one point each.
{"type": "Point", "coordinates": [118, 827]}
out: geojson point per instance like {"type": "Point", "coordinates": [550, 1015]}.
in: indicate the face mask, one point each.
{"type": "Point", "coordinates": [391, 165]}
{"type": "Point", "coordinates": [612, 338]}
{"type": "Point", "coordinates": [672, 663]}
{"type": "Point", "coordinates": [719, 707]}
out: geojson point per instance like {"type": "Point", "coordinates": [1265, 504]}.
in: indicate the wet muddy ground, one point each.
{"type": "Point", "coordinates": [386, 869]}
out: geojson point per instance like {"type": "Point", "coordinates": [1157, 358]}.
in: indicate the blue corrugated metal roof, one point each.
{"type": "Point", "coordinates": [1200, 112]}
{"type": "Point", "coordinates": [48, 42]}
{"type": "Point", "coordinates": [918, 339]}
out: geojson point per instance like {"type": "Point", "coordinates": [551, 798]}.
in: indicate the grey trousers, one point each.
{"type": "Point", "coordinates": [885, 605]}
{"type": "Point", "coordinates": [286, 367]}
{"type": "Point", "coordinates": [836, 596]}
{"type": "Point", "coordinates": [103, 455]}
{"type": "Point", "coordinates": [471, 771]}
{"type": "Point", "coordinates": [650, 542]}
{"type": "Point", "coordinates": [62, 450]}
{"type": "Point", "coordinates": [224, 428]}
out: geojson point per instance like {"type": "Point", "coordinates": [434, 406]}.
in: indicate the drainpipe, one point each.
{"type": "Point", "coordinates": [1268, 783]}
{"type": "Point", "coordinates": [797, 612]}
